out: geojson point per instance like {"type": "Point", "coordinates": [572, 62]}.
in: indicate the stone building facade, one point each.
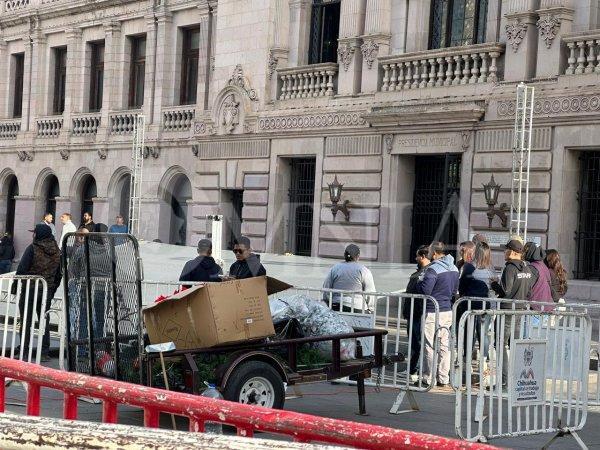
{"type": "Point", "coordinates": [253, 107]}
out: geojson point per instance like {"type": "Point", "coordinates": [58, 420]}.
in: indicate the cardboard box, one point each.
{"type": "Point", "coordinates": [214, 314]}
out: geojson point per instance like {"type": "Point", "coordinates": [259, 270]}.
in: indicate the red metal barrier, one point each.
{"type": "Point", "coordinates": [247, 419]}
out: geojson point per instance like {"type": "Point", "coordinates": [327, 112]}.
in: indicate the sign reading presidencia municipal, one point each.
{"type": "Point", "coordinates": [527, 375]}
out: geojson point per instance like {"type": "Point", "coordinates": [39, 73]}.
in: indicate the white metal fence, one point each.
{"type": "Point", "coordinates": [23, 316]}
{"type": "Point", "coordinates": [530, 375]}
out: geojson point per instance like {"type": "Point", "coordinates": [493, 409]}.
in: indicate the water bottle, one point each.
{"type": "Point", "coordinates": [212, 392]}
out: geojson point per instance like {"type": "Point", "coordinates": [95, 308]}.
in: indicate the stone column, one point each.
{"type": "Point", "coordinates": [150, 217]}
{"type": "Point", "coordinates": [417, 34]}
{"type": "Point", "coordinates": [521, 40]}
{"type": "Point", "coordinates": [164, 72]}
{"type": "Point", "coordinates": [24, 220]}
{"type": "Point", "coordinates": [555, 20]}
{"type": "Point", "coordinates": [28, 76]}
{"type": "Point", "coordinates": [149, 81]}
{"type": "Point", "coordinates": [299, 36]}
{"type": "Point", "coordinates": [63, 205]}
{"type": "Point", "coordinates": [5, 109]}
{"type": "Point", "coordinates": [204, 56]}
{"type": "Point", "coordinates": [376, 41]}
{"type": "Point", "coordinates": [352, 25]}
{"type": "Point", "coordinates": [101, 210]}
{"type": "Point", "coordinates": [112, 72]}
{"type": "Point", "coordinates": [214, 15]}
{"type": "Point", "coordinates": [74, 85]}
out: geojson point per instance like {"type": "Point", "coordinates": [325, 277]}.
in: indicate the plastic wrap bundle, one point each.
{"type": "Point", "coordinates": [315, 319]}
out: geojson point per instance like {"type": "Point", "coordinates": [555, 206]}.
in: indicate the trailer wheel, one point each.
{"type": "Point", "coordinates": [255, 383]}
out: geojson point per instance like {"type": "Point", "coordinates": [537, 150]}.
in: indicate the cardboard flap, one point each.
{"type": "Point", "coordinates": [274, 286]}
{"type": "Point", "coordinates": [178, 296]}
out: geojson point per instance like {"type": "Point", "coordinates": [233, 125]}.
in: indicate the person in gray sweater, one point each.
{"type": "Point", "coordinates": [349, 275]}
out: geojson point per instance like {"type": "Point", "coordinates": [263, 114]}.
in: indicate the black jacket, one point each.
{"type": "Point", "coordinates": [42, 258]}
{"type": "Point", "coordinates": [7, 249]}
{"type": "Point", "coordinates": [202, 268]}
{"type": "Point", "coordinates": [411, 288]}
{"type": "Point", "coordinates": [250, 267]}
{"type": "Point", "coordinates": [517, 280]}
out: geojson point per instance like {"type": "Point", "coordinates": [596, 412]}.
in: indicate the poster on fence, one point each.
{"type": "Point", "coordinates": [527, 372]}
{"type": "Point", "coordinates": [564, 361]}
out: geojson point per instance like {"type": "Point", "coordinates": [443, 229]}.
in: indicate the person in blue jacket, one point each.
{"type": "Point", "coordinates": [440, 281]}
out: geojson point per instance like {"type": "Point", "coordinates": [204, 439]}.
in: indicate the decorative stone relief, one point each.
{"type": "Point", "coordinates": [199, 128]}
{"type": "Point", "coordinates": [548, 26]}
{"type": "Point", "coordinates": [272, 63]}
{"type": "Point", "coordinates": [151, 151]}
{"type": "Point", "coordinates": [195, 150]}
{"type": "Point", "coordinates": [238, 79]}
{"type": "Point", "coordinates": [230, 114]}
{"type": "Point", "coordinates": [388, 140]}
{"type": "Point", "coordinates": [369, 50]}
{"type": "Point", "coordinates": [25, 156]}
{"type": "Point", "coordinates": [249, 128]}
{"type": "Point", "coordinates": [353, 145]}
{"type": "Point", "coordinates": [64, 153]}
{"type": "Point", "coordinates": [102, 153]}
{"type": "Point", "coordinates": [466, 140]}
{"type": "Point", "coordinates": [212, 64]}
{"type": "Point", "coordinates": [345, 55]}
{"type": "Point", "coordinates": [555, 105]}
{"type": "Point", "coordinates": [515, 33]}
{"type": "Point", "coordinates": [312, 121]}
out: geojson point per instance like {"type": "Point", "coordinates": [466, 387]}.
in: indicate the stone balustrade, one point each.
{"type": "Point", "coordinates": [14, 5]}
{"type": "Point", "coordinates": [583, 52]}
{"type": "Point", "coordinates": [49, 127]}
{"type": "Point", "coordinates": [178, 118]}
{"type": "Point", "coordinates": [9, 129]}
{"type": "Point", "coordinates": [122, 122]}
{"type": "Point", "coordinates": [441, 67]}
{"type": "Point", "coordinates": [316, 80]}
{"type": "Point", "coordinates": [85, 124]}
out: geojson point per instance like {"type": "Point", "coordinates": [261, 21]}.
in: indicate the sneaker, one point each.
{"type": "Point", "coordinates": [414, 378]}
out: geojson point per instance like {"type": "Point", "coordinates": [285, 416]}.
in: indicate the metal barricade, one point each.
{"type": "Point", "coordinates": [23, 303]}
{"type": "Point", "coordinates": [405, 318]}
{"type": "Point", "coordinates": [538, 382]}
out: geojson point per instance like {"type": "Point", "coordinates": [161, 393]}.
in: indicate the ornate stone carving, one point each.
{"type": "Point", "coordinates": [325, 120]}
{"type": "Point", "coordinates": [199, 128]}
{"type": "Point", "coordinates": [230, 114]}
{"type": "Point", "coordinates": [345, 55]}
{"type": "Point", "coordinates": [212, 64]}
{"type": "Point", "coordinates": [388, 140]}
{"type": "Point", "coordinates": [102, 153]}
{"type": "Point", "coordinates": [151, 151]}
{"type": "Point", "coordinates": [238, 79]}
{"type": "Point", "coordinates": [466, 140]}
{"type": "Point", "coordinates": [555, 105]}
{"type": "Point", "coordinates": [195, 149]}
{"type": "Point", "coordinates": [369, 50]}
{"type": "Point", "coordinates": [64, 153]}
{"type": "Point", "coordinates": [548, 26]}
{"type": "Point", "coordinates": [272, 63]}
{"type": "Point", "coordinates": [24, 155]}
{"type": "Point", "coordinates": [249, 128]}
{"type": "Point", "coordinates": [515, 33]}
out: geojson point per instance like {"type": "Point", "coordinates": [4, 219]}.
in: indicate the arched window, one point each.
{"type": "Point", "coordinates": [52, 191]}
{"type": "Point", "coordinates": [324, 31]}
{"type": "Point", "coordinates": [457, 22]}
{"type": "Point", "coordinates": [11, 194]}
{"type": "Point", "coordinates": [88, 193]}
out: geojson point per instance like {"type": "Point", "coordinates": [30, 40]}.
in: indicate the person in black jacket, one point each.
{"type": "Point", "coordinates": [248, 264]}
{"type": "Point", "coordinates": [7, 253]}
{"type": "Point", "coordinates": [41, 258]}
{"type": "Point", "coordinates": [414, 326]}
{"type": "Point", "coordinates": [203, 267]}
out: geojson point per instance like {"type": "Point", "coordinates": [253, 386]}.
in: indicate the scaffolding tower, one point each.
{"type": "Point", "coordinates": [521, 160]}
{"type": "Point", "coordinates": [135, 187]}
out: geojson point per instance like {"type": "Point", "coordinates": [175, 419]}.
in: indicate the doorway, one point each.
{"type": "Point", "coordinates": [88, 193]}
{"type": "Point", "coordinates": [301, 197]}
{"type": "Point", "coordinates": [51, 191]}
{"type": "Point", "coordinates": [11, 193]}
{"type": "Point", "coordinates": [435, 201]}
{"type": "Point", "coordinates": [233, 202]}
{"type": "Point", "coordinates": [177, 199]}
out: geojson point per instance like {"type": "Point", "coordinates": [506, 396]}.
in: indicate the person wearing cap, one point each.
{"type": "Point", "coordinates": [439, 281]}
{"type": "Point", "coordinates": [247, 263]}
{"type": "Point", "coordinates": [349, 275]}
{"type": "Point", "coordinates": [203, 267]}
{"type": "Point", "coordinates": [41, 258]}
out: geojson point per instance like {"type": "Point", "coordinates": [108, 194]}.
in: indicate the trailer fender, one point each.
{"type": "Point", "coordinates": [237, 358]}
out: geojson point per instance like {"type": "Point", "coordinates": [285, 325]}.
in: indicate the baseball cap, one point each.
{"type": "Point", "coordinates": [515, 245]}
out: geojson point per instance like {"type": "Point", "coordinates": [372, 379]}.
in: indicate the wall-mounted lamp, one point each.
{"type": "Point", "coordinates": [335, 195]}
{"type": "Point", "coordinates": [491, 191]}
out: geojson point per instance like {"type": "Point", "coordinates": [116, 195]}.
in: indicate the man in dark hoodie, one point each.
{"type": "Point", "coordinates": [203, 267]}
{"type": "Point", "coordinates": [247, 264]}
{"type": "Point", "coordinates": [7, 253]}
{"type": "Point", "coordinates": [41, 258]}
{"type": "Point", "coordinates": [440, 281]}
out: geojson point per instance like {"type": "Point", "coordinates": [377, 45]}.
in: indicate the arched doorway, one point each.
{"type": "Point", "coordinates": [174, 210]}
{"type": "Point", "coordinates": [87, 194]}
{"type": "Point", "coordinates": [123, 197]}
{"type": "Point", "coordinates": [51, 190]}
{"type": "Point", "coordinates": [12, 191]}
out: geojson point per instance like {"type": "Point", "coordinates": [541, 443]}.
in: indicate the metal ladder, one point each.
{"type": "Point", "coordinates": [135, 188]}
{"type": "Point", "coordinates": [519, 192]}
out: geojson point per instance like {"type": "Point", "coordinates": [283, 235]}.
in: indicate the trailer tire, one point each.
{"type": "Point", "coordinates": [255, 383]}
